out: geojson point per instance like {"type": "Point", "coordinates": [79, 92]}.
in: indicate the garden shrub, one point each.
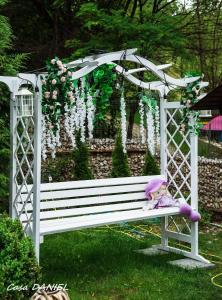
{"type": "Point", "coordinates": [82, 170]}
{"type": "Point", "coordinates": [18, 265]}
{"type": "Point", "coordinates": [150, 165]}
{"type": "Point", "coordinates": [4, 165]}
{"type": "Point", "coordinates": [120, 167]}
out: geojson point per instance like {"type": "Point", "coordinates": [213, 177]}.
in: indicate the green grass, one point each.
{"type": "Point", "coordinates": [101, 264]}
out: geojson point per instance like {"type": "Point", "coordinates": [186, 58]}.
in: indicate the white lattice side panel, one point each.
{"type": "Point", "coordinates": [24, 160]}
{"type": "Point", "coordinates": [178, 164]}
{"type": "Point", "coordinates": [178, 155]}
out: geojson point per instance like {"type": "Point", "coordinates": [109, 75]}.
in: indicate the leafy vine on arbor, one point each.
{"type": "Point", "coordinates": [189, 98]}
{"type": "Point", "coordinates": [59, 91]}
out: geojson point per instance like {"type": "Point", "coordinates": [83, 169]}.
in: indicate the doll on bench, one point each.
{"type": "Point", "coordinates": [158, 196]}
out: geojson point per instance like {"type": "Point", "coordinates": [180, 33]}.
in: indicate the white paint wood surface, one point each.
{"type": "Point", "coordinates": [53, 186]}
{"type": "Point", "coordinates": [69, 224]}
{"type": "Point", "coordinates": [48, 204]}
{"type": "Point", "coordinates": [93, 203]}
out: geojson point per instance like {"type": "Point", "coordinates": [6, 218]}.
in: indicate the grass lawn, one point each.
{"type": "Point", "coordinates": [100, 264]}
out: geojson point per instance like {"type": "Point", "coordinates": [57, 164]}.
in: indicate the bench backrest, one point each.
{"type": "Point", "coordinates": [86, 197]}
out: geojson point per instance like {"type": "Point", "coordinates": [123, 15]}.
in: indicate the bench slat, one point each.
{"type": "Point", "coordinates": [88, 210]}
{"type": "Point", "coordinates": [93, 183]}
{"type": "Point", "coordinates": [60, 225]}
{"type": "Point", "coordinates": [86, 201]}
{"type": "Point", "coordinates": [91, 191]}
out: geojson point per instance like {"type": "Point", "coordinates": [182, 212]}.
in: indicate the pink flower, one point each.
{"type": "Point", "coordinates": [55, 92]}
{"type": "Point", "coordinates": [53, 61]}
{"type": "Point", "coordinates": [54, 96]}
{"type": "Point", "coordinates": [51, 126]}
{"type": "Point", "coordinates": [64, 70]}
{"type": "Point", "coordinates": [69, 94]}
{"type": "Point", "coordinates": [59, 63]}
{"type": "Point", "coordinates": [69, 73]}
{"type": "Point", "coordinates": [63, 79]}
{"type": "Point", "coordinates": [54, 81]}
{"type": "Point", "coordinates": [72, 99]}
{"type": "Point", "coordinates": [47, 95]}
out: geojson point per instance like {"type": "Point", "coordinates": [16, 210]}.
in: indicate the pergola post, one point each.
{"type": "Point", "coordinates": [194, 189]}
{"type": "Point", "coordinates": [163, 162]}
{"type": "Point", "coordinates": [37, 168]}
{"type": "Point", "coordinates": [13, 143]}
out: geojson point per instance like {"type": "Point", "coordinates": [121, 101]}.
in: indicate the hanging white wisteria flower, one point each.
{"type": "Point", "coordinates": [72, 127]}
{"type": "Point", "coordinates": [57, 137]}
{"type": "Point", "coordinates": [69, 123]}
{"type": "Point", "coordinates": [150, 131]}
{"type": "Point", "coordinates": [77, 108]}
{"type": "Point", "coordinates": [157, 126]}
{"type": "Point", "coordinates": [82, 110]}
{"type": "Point", "coordinates": [141, 112]}
{"type": "Point", "coordinates": [90, 114]}
{"type": "Point", "coordinates": [43, 139]}
{"type": "Point", "coordinates": [53, 144]}
{"type": "Point", "coordinates": [123, 120]}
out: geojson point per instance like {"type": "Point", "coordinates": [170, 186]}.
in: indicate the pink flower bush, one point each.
{"type": "Point", "coordinates": [69, 94]}
{"type": "Point", "coordinates": [54, 96]}
{"type": "Point", "coordinates": [53, 61]}
{"type": "Point", "coordinates": [63, 79]}
{"type": "Point", "coordinates": [64, 70]}
{"type": "Point", "coordinates": [54, 81]}
{"type": "Point", "coordinates": [55, 92]}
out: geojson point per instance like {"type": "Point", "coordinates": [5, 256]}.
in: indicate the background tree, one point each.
{"type": "Point", "coordinates": [9, 65]}
{"type": "Point", "coordinates": [120, 167]}
{"type": "Point", "coordinates": [150, 165]}
{"type": "Point", "coordinates": [81, 158]}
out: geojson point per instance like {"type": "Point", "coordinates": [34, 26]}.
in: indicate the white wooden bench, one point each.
{"type": "Point", "coordinates": [74, 205]}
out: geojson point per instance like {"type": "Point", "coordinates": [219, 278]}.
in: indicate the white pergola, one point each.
{"type": "Point", "coordinates": [180, 169]}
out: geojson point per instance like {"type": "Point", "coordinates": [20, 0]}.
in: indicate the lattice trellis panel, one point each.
{"type": "Point", "coordinates": [178, 152]}
{"type": "Point", "coordinates": [24, 159]}
{"type": "Point", "coordinates": [178, 165]}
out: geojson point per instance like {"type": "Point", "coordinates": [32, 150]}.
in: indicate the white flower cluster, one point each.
{"type": "Point", "coordinates": [69, 123]}
{"type": "Point", "coordinates": [90, 114]}
{"type": "Point", "coordinates": [153, 125]}
{"type": "Point", "coordinates": [141, 112]}
{"type": "Point", "coordinates": [82, 110]}
{"type": "Point", "coordinates": [157, 126]}
{"type": "Point", "coordinates": [82, 107]}
{"type": "Point", "coordinates": [150, 131]}
{"type": "Point", "coordinates": [43, 139]}
{"type": "Point", "coordinates": [123, 121]}
{"type": "Point", "coordinates": [49, 140]}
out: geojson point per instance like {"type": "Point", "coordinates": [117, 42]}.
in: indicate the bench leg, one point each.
{"type": "Point", "coordinates": [164, 237]}
{"type": "Point", "coordinates": [191, 239]}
